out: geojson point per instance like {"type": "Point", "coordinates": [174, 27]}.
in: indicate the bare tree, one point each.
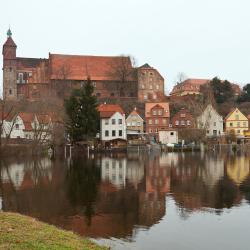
{"type": "Point", "coordinates": [123, 70]}
{"type": "Point", "coordinates": [181, 77]}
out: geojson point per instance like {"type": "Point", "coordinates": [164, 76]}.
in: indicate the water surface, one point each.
{"type": "Point", "coordinates": [137, 201]}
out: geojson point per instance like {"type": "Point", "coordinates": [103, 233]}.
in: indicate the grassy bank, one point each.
{"type": "Point", "coordinates": [21, 232]}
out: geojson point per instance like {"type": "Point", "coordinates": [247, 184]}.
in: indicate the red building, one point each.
{"type": "Point", "coordinates": [157, 117]}
{"type": "Point", "coordinates": [183, 119]}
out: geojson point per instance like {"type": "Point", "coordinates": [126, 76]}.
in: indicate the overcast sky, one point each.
{"type": "Point", "coordinates": [201, 38]}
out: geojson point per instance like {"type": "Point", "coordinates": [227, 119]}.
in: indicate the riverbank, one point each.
{"type": "Point", "coordinates": [22, 232]}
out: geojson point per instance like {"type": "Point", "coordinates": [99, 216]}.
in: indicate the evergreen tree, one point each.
{"type": "Point", "coordinates": [245, 96]}
{"type": "Point", "coordinates": [81, 109]}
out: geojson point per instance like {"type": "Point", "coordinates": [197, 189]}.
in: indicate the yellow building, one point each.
{"type": "Point", "coordinates": [237, 122]}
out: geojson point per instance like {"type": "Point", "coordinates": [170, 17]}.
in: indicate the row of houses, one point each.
{"type": "Point", "coordinates": [157, 122]}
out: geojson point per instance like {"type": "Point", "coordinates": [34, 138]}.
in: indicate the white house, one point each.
{"type": "Point", "coordinates": [112, 122]}
{"type": "Point", "coordinates": [27, 126]}
{"type": "Point", "coordinates": [211, 121]}
{"type": "Point", "coordinates": [168, 136]}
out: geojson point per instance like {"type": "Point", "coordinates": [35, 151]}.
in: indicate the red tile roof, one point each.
{"type": "Point", "coordinates": [10, 42]}
{"type": "Point", "coordinates": [107, 110]}
{"type": "Point", "coordinates": [27, 118]}
{"type": "Point", "coordinates": [75, 67]}
{"type": "Point", "coordinates": [43, 118]}
{"type": "Point", "coordinates": [149, 106]}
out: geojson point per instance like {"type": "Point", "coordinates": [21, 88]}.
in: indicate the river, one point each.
{"type": "Point", "coordinates": [137, 201]}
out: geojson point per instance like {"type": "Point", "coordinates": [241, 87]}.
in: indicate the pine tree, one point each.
{"type": "Point", "coordinates": [82, 115]}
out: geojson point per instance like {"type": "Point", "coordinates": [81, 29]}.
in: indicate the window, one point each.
{"type": "Point", "coordinates": [244, 124]}
{"type": "Point", "coordinates": [159, 112]}
{"type": "Point", "coordinates": [106, 133]}
{"type": "Point", "coordinates": [238, 124]}
{"type": "Point", "coordinates": [113, 133]}
{"type": "Point", "coordinates": [188, 123]}
{"type": "Point", "coordinates": [112, 94]}
{"type": "Point", "coordinates": [207, 131]}
{"type": "Point", "coordinates": [150, 87]}
{"type": "Point", "coordinates": [183, 123]}
{"type": "Point", "coordinates": [94, 84]}
{"type": "Point", "coordinates": [150, 121]}
{"type": "Point", "coordinates": [120, 121]}
{"type": "Point", "coordinates": [151, 73]}
{"type": "Point", "coordinates": [214, 132]}
{"type": "Point", "coordinates": [138, 123]}
{"type": "Point", "coordinates": [156, 130]}
{"type": "Point", "coordinates": [183, 115]}
{"type": "Point", "coordinates": [151, 131]}
{"type": "Point", "coordinates": [133, 123]}
{"type": "Point", "coordinates": [10, 91]}
{"type": "Point", "coordinates": [238, 131]}
{"type": "Point", "coordinates": [142, 86]}
{"type": "Point", "coordinates": [177, 122]}
{"type": "Point", "coordinates": [236, 117]}
{"type": "Point", "coordinates": [214, 123]}
{"type": "Point", "coordinates": [106, 122]}
{"type": "Point", "coordinates": [231, 124]}
{"type": "Point", "coordinates": [172, 133]}
{"type": "Point", "coordinates": [17, 126]}
{"type": "Point", "coordinates": [154, 112]}
{"type": "Point", "coordinates": [98, 94]}
{"type": "Point", "coordinates": [157, 86]}
{"type": "Point", "coordinates": [154, 96]}
{"type": "Point", "coordinates": [156, 121]}
{"type": "Point", "coordinates": [128, 123]}
{"type": "Point", "coordinates": [120, 132]}
{"type": "Point", "coordinates": [113, 121]}
{"type": "Point", "coordinates": [164, 121]}
{"type": "Point", "coordinates": [145, 97]}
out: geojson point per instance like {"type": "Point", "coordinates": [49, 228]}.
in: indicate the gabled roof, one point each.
{"type": "Point", "coordinates": [107, 110]}
{"type": "Point", "coordinates": [43, 118]}
{"type": "Point", "coordinates": [150, 105]}
{"type": "Point", "coordinates": [9, 42]}
{"type": "Point", "coordinates": [134, 112]}
{"type": "Point", "coordinates": [77, 67]}
{"type": "Point", "coordinates": [27, 118]}
{"type": "Point", "coordinates": [231, 112]}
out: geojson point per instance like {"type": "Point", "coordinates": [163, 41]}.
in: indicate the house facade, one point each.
{"type": "Point", "coordinates": [183, 119]}
{"type": "Point", "coordinates": [112, 122]}
{"type": "Point", "coordinates": [168, 136]}
{"type": "Point", "coordinates": [211, 121]}
{"type": "Point", "coordinates": [150, 84]}
{"type": "Point", "coordinates": [236, 121]}
{"type": "Point", "coordinates": [157, 117]}
{"type": "Point", "coordinates": [134, 122]}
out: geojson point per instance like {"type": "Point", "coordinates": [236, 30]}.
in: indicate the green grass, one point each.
{"type": "Point", "coordinates": [20, 232]}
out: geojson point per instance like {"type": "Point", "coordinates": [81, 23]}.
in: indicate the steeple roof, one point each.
{"type": "Point", "coordinates": [9, 41]}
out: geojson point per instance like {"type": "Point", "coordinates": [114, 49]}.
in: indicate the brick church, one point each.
{"type": "Point", "coordinates": [112, 76]}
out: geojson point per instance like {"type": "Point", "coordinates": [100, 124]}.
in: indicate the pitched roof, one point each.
{"type": "Point", "coordinates": [77, 67]}
{"type": "Point", "coordinates": [29, 62]}
{"type": "Point", "coordinates": [146, 65]}
{"type": "Point", "coordinates": [9, 42]}
{"type": "Point", "coordinates": [231, 112]}
{"type": "Point", "coordinates": [27, 120]}
{"type": "Point", "coordinates": [43, 118]}
{"type": "Point", "coordinates": [107, 110]}
{"type": "Point", "coordinates": [150, 105]}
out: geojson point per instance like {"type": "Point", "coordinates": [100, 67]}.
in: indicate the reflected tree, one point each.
{"type": "Point", "coordinates": [83, 181]}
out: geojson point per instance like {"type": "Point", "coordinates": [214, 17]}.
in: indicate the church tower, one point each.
{"type": "Point", "coordinates": [9, 68]}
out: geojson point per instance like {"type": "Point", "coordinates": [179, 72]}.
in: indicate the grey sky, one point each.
{"type": "Point", "coordinates": [200, 38]}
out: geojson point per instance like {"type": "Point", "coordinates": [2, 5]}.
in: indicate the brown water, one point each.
{"type": "Point", "coordinates": [137, 201]}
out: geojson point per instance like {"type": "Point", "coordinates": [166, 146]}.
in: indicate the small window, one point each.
{"type": "Point", "coordinates": [120, 132]}
{"type": "Point", "coordinates": [129, 124]}
{"type": "Point", "coordinates": [236, 117]}
{"type": "Point", "coordinates": [150, 121]}
{"type": "Point", "coordinates": [207, 131]}
{"type": "Point", "coordinates": [238, 131]}
{"type": "Point", "coordinates": [142, 86]}
{"type": "Point", "coordinates": [156, 121]}
{"type": "Point", "coordinates": [188, 123]}
{"type": "Point", "coordinates": [154, 112]}
{"type": "Point", "coordinates": [172, 133]}
{"type": "Point", "coordinates": [151, 130]}
{"type": "Point", "coordinates": [138, 123]}
{"type": "Point", "coordinates": [106, 122]}
{"type": "Point", "coordinates": [113, 121]}
{"type": "Point", "coordinates": [145, 97]}
{"type": "Point", "coordinates": [214, 123]}
{"type": "Point", "coordinates": [150, 87]}
{"type": "Point", "coordinates": [113, 133]}
{"type": "Point", "coordinates": [177, 122]}
{"type": "Point", "coordinates": [120, 121]}
{"type": "Point", "coordinates": [10, 91]}
{"type": "Point", "coordinates": [183, 115]}
{"type": "Point", "coordinates": [231, 124]}
{"type": "Point", "coordinates": [164, 121]}
{"type": "Point", "coordinates": [17, 126]}
{"type": "Point", "coordinates": [106, 133]}
{"type": "Point", "coordinates": [156, 130]}
{"type": "Point", "coordinates": [98, 94]}
{"type": "Point", "coordinates": [159, 112]}
{"type": "Point", "coordinates": [238, 124]}
{"type": "Point", "coordinates": [183, 123]}
{"type": "Point", "coordinates": [94, 84]}
{"type": "Point", "coordinates": [157, 86]}
{"type": "Point", "coordinates": [112, 94]}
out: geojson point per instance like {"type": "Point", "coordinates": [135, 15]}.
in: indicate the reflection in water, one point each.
{"type": "Point", "coordinates": [114, 196]}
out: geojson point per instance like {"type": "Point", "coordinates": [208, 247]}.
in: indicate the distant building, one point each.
{"type": "Point", "coordinates": [211, 121]}
{"type": "Point", "coordinates": [192, 87]}
{"type": "Point", "coordinates": [168, 136]}
{"type": "Point", "coordinates": [236, 121]}
{"type": "Point", "coordinates": [134, 122]}
{"type": "Point", "coordinates": [112, 122]}
{"type": "Point", "coordinates": [157, 117]}
{"type": "Point", "coordinates": [112, 76]}
{"type": "Point", "coordinates": [150, 84]}
{"type": "Point", "coordinates": [183, 119]}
